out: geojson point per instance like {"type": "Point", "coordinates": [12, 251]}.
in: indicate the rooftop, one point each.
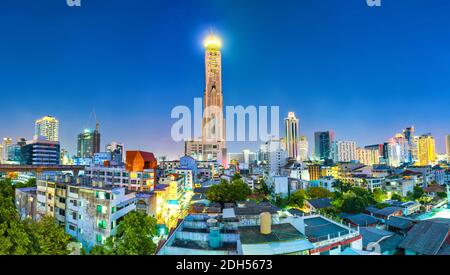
{"type": "Point", "coordinates": [31, 190]}
{"type": "Point", "coordinates": [253, 208]}
{"type": "Point", "coordinates": [318, 229]}
{"type": "Point", "coordinates": [387, 211]}
{"type": "Point", "coordinates": [280, 233]}
{"type": "Point", "coordinates": [387, 240]}
{"type": "Point", "coordinates": [427, 237]}
{"type": "Point", "coordinates": [320, 203]}
{"type": "Point", "coordinates": [362, 219]}
{"type": "Point", "coordinates": [400, 222]}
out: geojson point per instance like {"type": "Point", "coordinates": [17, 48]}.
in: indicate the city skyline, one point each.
{"type": "Point", "coordinates": [377, 105]}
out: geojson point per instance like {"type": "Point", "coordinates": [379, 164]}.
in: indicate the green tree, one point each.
{"type": "Point", "coordinates": [47, 238]}
{"type": "Point", "coordinates": [134, 237]}
{"type": "Point", "coordinates": [225, 192]}
{"type": "Point", "coordinates": [353, 205]}
{"type": "Point", "coordinates": [318, 193]}
{"type": "Point", "coordinates": [379, 195]}
{"type": "Point", "coordinates": [280, 201]}
{"type": "Point", "coordinates": [297, 199]}
{"type": "Point", "coordinates": [341, 186]}
{"type": "Point", "coordinates": [363, 194]}
{"type": "Point", "coordinates": [397, 197]}
{"type": "Point", "coordinates": [30, 183]}
{"type": "Point", "coordinates": [14, 239]}
{"type": "Point", "coordinates": [417, 193]}
{"type": "Point", "coordinates": [265, 189]}
{"type": "Point", "coordinates": [235, 177]}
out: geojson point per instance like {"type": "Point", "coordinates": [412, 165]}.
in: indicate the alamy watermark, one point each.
{"type": "Point", "coordinates": [77, 3]}
{"type": "Point", "coordinates": [211, 124]}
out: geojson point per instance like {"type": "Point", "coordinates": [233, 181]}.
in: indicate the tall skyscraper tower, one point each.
{"type": "Point", "coordinates": [408, 134]}
{"type": "Point", "coordinates": [47, 127]}
{"type": "Point", "coordinates": [303, 148]}
{"type": "Point", "coordinates": [213, 126]}
{"type": "Point", "coordinates": [323, 142]}
{"type": "Point", "coordinates": [89, 143]}
{"type": "Point", "coordinates": [426, 150]}
{"type": "Point", "coordinates": [292, 133]}
{"type": "Point", "coordinates": [6, 145]}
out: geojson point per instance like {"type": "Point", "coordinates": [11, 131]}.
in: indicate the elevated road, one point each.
{"type": "Point", "coordinates": [7, 168]}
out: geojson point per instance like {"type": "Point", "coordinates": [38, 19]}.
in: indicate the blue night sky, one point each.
{"type": "Point", "coordinates": [366, 73]}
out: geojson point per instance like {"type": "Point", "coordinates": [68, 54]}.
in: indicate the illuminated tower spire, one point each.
{"type": "Point", "coordinates": [213, 122]}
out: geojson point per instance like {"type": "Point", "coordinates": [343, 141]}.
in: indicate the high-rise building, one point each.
{"type": "Point", "coordinates": [323, 144]}
{"type": "Point", "coordinates": [344, 151]}
{"type": "Point", "coordinates": [40, 151]}
{"type": "Point", "coordinates": [368, 156]}
{"type": "Point", "coordinates": [47, 127]}
{"type": "Point", "coordinates": [291, 133]}
{"type": "Point", "coordinates": [277, 157]}
{"type": "Point", "coordinates": [447, 142]}
{"type": "Point", "coordinates": [213, 129]}
{"type": "Point", "coordinates": [426, 150]}
{"type": "Point", "coordinates": [117, 151]}
{"type": "Point", "coordinates": [303, 148]}
{"type": "Point", "coordinates": [89, 143]}
{"type": "Point", "coordinates": [212, 145]}
{"type": "Point", "coordinates": [408, 134]}
{"type": "Point", "coordinates": [6, 145]}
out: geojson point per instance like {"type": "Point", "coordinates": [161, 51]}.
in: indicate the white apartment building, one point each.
{"type": "Point", "coordinates": [344, 151]}
{"type": "Point", "coordinates": [118, 176]}
{"type": "Point", "coordinates": [48, 127]}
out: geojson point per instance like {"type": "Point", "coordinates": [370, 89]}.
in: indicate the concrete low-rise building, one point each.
{"type": "Point", "coordinates": [94, 212]}
{"type": "Point", "coordinates": [118, 176]}
{"type": "Point", "coordinates": [26, 202]}
{"type": "Point", "coordinates": [89, 210]}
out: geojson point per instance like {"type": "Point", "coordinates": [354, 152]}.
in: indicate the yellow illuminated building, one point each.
{"type": "Point", "coordinates": [48, 127]}
{"type": "Point", "coordinates": [426, 150]}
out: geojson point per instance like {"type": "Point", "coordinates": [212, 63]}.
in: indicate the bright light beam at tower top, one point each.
{"type": "Point", "coordinates": [212, 41]}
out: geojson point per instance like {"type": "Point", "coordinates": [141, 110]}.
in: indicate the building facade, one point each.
{"type": "Point", "coordinates": [88, 143]}
{"type": "Point", "coordinates": [303, 149]}
{"type": "Point", "coordinates": [426, 150]}
{"type": "Point", "coordinates": [48, 127]}
{"type": "Point", "coordinates": [291, 124]}
{"type": "Point", "coordinates": [344, 151]}
{"type": "Point", "coordinates": [40, 151]}
{"type": "Point", "coordinates": [323, 142]}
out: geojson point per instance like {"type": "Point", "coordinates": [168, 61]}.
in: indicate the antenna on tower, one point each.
{"type": "Point", "coordinates": [94, 116]}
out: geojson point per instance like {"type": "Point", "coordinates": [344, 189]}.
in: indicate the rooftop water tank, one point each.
{"type": "Point", "coordinates": [211, 222]}
{"type": "Point", "coordinates": [215, 240]}
{"type": "Point", "coordinates": [266, 223]}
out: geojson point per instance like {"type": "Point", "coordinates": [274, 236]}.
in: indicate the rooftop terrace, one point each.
{"type": "Point", "coordinates": [318, 229]}
{"type": "Point", "coordinates": [280, 233]}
